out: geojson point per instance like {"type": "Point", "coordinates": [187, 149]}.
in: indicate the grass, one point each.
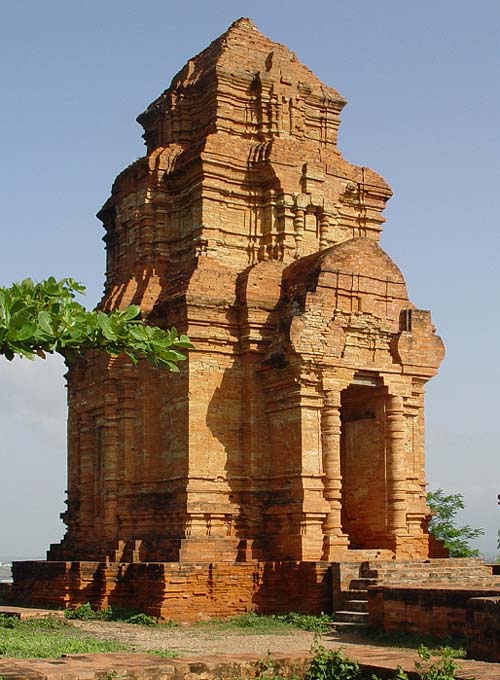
{"type": "Point", "coordinates": [275, 624]}
{"type": "Point", "coordinates": [84, 612]}
{"type": "Point", "coordinates": [51, 637]}
{"type": "Point", "coordinates": [163, 653]}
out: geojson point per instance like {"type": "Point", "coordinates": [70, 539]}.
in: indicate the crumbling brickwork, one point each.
{"type": "Point", "coordinates": [295, 429]}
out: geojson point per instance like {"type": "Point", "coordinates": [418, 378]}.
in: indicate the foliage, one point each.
{"type": "Point", "coordinates": [332, 665]}
{"type": "Point", "coordinates": [444, 668]}
{"type": "Point", "coordinates": [142, 620]}
{"type": "Point", "coordinates": [83, 612]}
{"type": "Point", "coordinates": [316, 624]}
{"type": "Point", "coordinates": [44, 317]}
{"type": "Point", "coordinates": [442, 525]}
{"type": "Point", "coordinates": [7, 621]}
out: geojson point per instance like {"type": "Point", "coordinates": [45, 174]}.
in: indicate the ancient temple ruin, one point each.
{"type": "Point", "coordinates": [295, 429]}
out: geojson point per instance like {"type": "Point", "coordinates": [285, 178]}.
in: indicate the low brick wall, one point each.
{"type": "Point", "coordinates": [178, 591]}
{"type": "Point", "coordinates": [434, 610]}
{"type": "Point", "coordinates": [5, 590]}
{"type": "Point", "coordinates": [469, 613]}
{"type": "Point", "coordinates": [483, 628]}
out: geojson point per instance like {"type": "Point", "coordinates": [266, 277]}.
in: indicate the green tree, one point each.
{"type": "Point", "coordinates": [443, 527]}
{"type": "Point", "coordinates": [44, 318]}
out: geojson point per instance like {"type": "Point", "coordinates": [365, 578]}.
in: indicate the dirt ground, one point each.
{"type": "Point", "coordinates": [187, 640]}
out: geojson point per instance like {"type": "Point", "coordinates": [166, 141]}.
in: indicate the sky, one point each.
{"type": "Point", "coordinates": [422, 82]}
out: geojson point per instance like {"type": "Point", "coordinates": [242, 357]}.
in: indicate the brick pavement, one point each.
{"type": "Point", "coordinates": [145, 666]}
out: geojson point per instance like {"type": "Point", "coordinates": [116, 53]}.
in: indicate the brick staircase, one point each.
{"type": "Point", "coordinates": [353, 599]}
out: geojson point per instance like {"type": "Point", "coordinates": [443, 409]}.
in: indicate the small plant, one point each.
{"type": "Point", "coordinates": [8, 621]}
{"type": "Point", "coordinates": [164, 653]}
{"type": "Point", "coordinates": [444, 668]}
{"type": "Point", "coordinates": [400, 674]}
{"type": "Point", "coordinates": [332, 665]}
{"type": "Point", "coordinates": [316, 624]}
{"type": "Point", "coordinates": [142, 620]}
{"type": "Point", "coordinates": [83, 612]}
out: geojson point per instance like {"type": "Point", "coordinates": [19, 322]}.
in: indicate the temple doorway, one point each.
{"type": "Point", "coordinates": [364, 464]}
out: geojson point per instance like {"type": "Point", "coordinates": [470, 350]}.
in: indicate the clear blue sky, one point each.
{"type": "Point", "coordinates": [422, 81]}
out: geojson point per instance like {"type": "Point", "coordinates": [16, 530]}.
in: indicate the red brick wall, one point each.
{"type": "Point", "coordinates": [183, 592]}
{"type": "Point", "coordinates": [433, 610]}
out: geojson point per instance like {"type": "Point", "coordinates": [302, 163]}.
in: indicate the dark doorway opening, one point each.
{"type": "Point", "coordinates": [363, 465]}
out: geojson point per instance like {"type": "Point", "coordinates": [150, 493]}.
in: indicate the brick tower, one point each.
{"type": "Point", "coordinates": [294, 431]}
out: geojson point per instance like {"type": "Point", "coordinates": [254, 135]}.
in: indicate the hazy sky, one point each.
{"type": "Point", "coordinates": [422, 81]}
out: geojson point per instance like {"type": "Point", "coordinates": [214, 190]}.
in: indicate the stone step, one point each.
{"type": "Point", "coordinates": [450, 565]}
{"type": "Point", "coordinates": [356, 605]}
{"type": "Point", "coordinates": [25, 613]}
{"type": "Point", "coordinates": [425, 575]}
{"type": "Point", "coordinates": [362, 583]}
{"type": "Point", "coordinates": [347, 626]}
{"type": "Point", "coordinates": [358, 594]}
{"type": "Point", "coordinates": [442, 580]}
{"type": "Point", "coordinates": [360, 618]}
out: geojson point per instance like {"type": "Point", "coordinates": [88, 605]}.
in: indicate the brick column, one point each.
{"type": "Point", "coordinates": [107, 489]}
{"type": "Point", "coordinates": [298, 224]}
{"type": "Point", "coordinates": [396, 473]}
{"type": "Point", "coordinates": [324, 228]}
{"type": "Point", "coordinates": [334, 539]}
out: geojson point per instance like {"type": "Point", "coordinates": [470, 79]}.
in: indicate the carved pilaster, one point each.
{"type": "Point", "coordinates": [108, 451]}
{"type": "Point", "coordinates": [324, 228]}
{"type": "Point", "coordinates": [298, 224]}
{"type": "Point", "coordinates": [330, 436]}
{"type": "Point", "coordinates": [396, 477]}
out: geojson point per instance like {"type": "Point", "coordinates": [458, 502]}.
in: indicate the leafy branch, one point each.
{"type": "Point", "coordinates": [44, 318]}
{"type": "Point", "coordinates": [442, 525]}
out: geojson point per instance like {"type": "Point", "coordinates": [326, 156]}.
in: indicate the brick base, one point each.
{"type": "Point", "coordinates": [174, 590]}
